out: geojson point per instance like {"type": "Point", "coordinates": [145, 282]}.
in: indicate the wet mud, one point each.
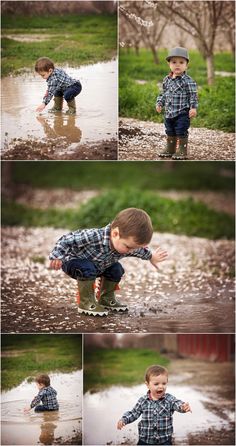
{"type": "Point", "coordinates": [192, 292]}
{"type": "Point", "coordinates": [211, 420]}
{"type": "Point", "coordinates": [90, 134]}
{"type": "Point", "coordinates": [59, 427]}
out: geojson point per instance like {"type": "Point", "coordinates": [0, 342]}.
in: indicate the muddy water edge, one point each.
{"type": "Point", "coordinates": [90, 134]}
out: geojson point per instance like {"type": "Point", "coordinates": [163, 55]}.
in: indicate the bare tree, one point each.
{"type": "Point", "coordinates": [144, 23]}
{"type": "Point", "coordinates": [227, 23]}
{"type": "Point", "coordinates": [201, 20]}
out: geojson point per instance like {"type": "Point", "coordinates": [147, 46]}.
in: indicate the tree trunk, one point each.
{"type": "Point", "coordinates": [155, 55]}
{"type": "Point", "coordinates": [210, 69]}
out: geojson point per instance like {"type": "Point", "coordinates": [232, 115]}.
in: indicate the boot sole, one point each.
{"type": "Point", "coordinates": [165, 156]}
{"type": "Point", "coordinates": [92, 313]}
{"type": "Point", "coordinates": [121, 309]}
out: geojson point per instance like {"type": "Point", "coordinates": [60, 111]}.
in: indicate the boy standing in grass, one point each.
{"type": "Point", "coordinates": [59, 85]}
{"type": "Point", "coordinates": [46, 400]}
{"type": "Point", "coordinates": [157, 408]}
{"type": "Point", "coordinates": [90, 253]}
{"type": "Point", "coordinates": [179, 97]}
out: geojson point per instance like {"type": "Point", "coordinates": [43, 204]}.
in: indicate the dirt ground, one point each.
{"type": "Point", "coordinates": [207, 377]}
{"type": "Point", "coordinates": [143, 140]}
{"type": "Point", "coordinates": [192, 292]}
{"type": "Point", "coordinates": [56, 149]}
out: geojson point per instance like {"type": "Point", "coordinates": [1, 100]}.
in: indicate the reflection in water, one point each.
{"type": "Point", "coordinates": [48, 427]}
{"type": "Point", "coordinates": [95, 119]}
{"type": "Point", "coordinates": [116, 400]}
{"type": "Point", "coordinates": [19, 428]}
{"type": "Point", "coordinates": [62, 125]}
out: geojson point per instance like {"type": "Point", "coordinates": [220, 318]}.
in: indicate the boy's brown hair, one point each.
{"type": "Point", "coordinates": [43, 379]}
{"type": "Point", "coordinates": [155, 370]}
{"type": "Point", "coordinates": [136, 223]}
{"type": "Point", "coordinates": [43, 64]}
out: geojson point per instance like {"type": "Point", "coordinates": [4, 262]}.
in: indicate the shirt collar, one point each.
{"type": "Point", "coordinates": [149, 396]}
{"type": "Point", "coordinates": [107, 235]}
{"type": "Point", "coordinates": [180, 76]}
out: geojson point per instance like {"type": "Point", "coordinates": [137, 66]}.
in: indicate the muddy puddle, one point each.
{"type": "Point", "coordinates": [117, 399]}
{"type": "Point", "coordinates": [45, 428]}
{"type": "Point", "coordinates": [25, 132]}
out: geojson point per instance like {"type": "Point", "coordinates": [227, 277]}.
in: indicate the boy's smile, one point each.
{"type": "Point", "coordinates": [178, 65]}
{"type": "Point", "coordinates": [157, 386]}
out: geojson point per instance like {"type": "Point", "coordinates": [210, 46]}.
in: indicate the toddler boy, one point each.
{"type": "Point", "coordinates": [179, 97]}
{"type": "Point", "coordinates": [90, 253]}
{"type": "Point", "coordinates": [59, 85]}
{"type": "Point", "coordinates": [46, 395]}
{"type": "Point", "coordinates": [157, 408]}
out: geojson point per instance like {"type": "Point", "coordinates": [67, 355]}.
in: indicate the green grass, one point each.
{"type": "Point", "coordinates": [218, 176]}
{"type": "Point", "coordinates": [216, 108]}
{"type": "Point", "coordinates": [38, 354]}
{"type": "Point", "coordinates": [72, 39]}
{"type": "Point", "coordinates": [178, 217]}
{"type": "Point", "coordinates": [106, 367]}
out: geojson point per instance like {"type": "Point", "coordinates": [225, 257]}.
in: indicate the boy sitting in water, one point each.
{"type": "Point", "coordinates": [157, 408]}
{"type": "Point", "coordinates": [46, 395]}
{"type": "Point", "coordinates": [90, 253]}
{"type": "Point", "coordinates": [59, 85]}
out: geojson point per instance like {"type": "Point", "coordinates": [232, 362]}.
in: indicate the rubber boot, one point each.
{"type": "Point", "coordinates": [71, 107]}
{"type": "Point", "coordinates": [107, 296]}
{"type": "Point", "coordinates": [58, 101]}
{"type": "Point", "coordinates": [182, 148]}
{"type": "Point", "coordinates": [86, 299]}
{"type": "Point", "coordinates": [170, 147]}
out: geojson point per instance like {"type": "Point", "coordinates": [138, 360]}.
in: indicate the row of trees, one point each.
{"type": "Point", "coordinates": [144, 23]}
{"type": "Point", "coordinates": [58, 7]}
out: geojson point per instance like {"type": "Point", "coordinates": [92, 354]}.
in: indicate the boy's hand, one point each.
{"type": "Point", "coordinates": [158, 256]}
{"type": "Point", "coordinates": [55, 264]}
{"type": "Point", "coordinates": [192, 113]}
{"type": "Point", "coordinates": [27, 409]}
{"type": "Point", "coordinates": [120, 424]}
{"type": "Point", "coordinates": [158, 108]}
{"type": "Point", "coordinates": [40, 108]}
{"type": "Point", "coordinates": [186, 407]}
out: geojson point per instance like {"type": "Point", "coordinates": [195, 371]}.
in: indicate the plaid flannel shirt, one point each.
{"type": "Point", "coordinates": [48, 396]}
{"type": "Point", "coordinates": [93, 245]}
{"type": "Point", "coordinates": [178, 94]}
{"type": "Point", "coordinates": [156, 424]}
{"type": "Point", "coordinates": [59, 80]}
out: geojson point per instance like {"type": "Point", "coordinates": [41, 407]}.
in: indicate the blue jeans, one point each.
{"type": "Point", "coordinates": [179, 125]}
{"type": "Point", "coordinates": [70, 92]}
{"type": "Point", "coordinates": [168, 442]}
{"type": "Point", "coordinates": [84, 269]}
{"type": "Point", "coordinates": [42, 408]}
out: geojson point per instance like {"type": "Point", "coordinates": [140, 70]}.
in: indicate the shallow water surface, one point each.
{"type": "Point", "coordinates": [45, 427]}
{"type": "Point", "coordinates": [116, 400]}
{"type": "Point", "coordinates": [96, 116]}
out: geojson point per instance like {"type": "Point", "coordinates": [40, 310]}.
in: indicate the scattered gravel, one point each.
{"type": "Point", "coordinates": [143, 140]}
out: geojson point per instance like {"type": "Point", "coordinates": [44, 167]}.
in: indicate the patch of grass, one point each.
{"type": "Point", "coordinates": [38, 354]}
{"type": "Point", "coordinates": [106, 367]}
{"type": "Point", "coordinates": [76, 40]}
{"type": "Point", "coordinates": [216, 108]}
{"type": "Point", "coordinates": [146, 175]}
{"type": "Point", "coordinates": [178, 217]}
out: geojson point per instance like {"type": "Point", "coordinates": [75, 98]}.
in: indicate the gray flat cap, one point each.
{"type": "Point", "coordinates": [178, 52]}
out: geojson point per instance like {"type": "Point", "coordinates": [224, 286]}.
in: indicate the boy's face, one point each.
{"type": "Point", "coordinates": [123, 245]}
{"type": "Point", "coordinates": [46, 74]}
{"type": "Point", "coordinates": [157, 385]}
{"type": "Point", "coordinates": [178, 65]}
{"type": "Point", "coordinates": [40, 386]}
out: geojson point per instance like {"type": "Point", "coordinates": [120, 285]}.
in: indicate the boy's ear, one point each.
{"type": "Point", "coordinates": [115, 232]}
